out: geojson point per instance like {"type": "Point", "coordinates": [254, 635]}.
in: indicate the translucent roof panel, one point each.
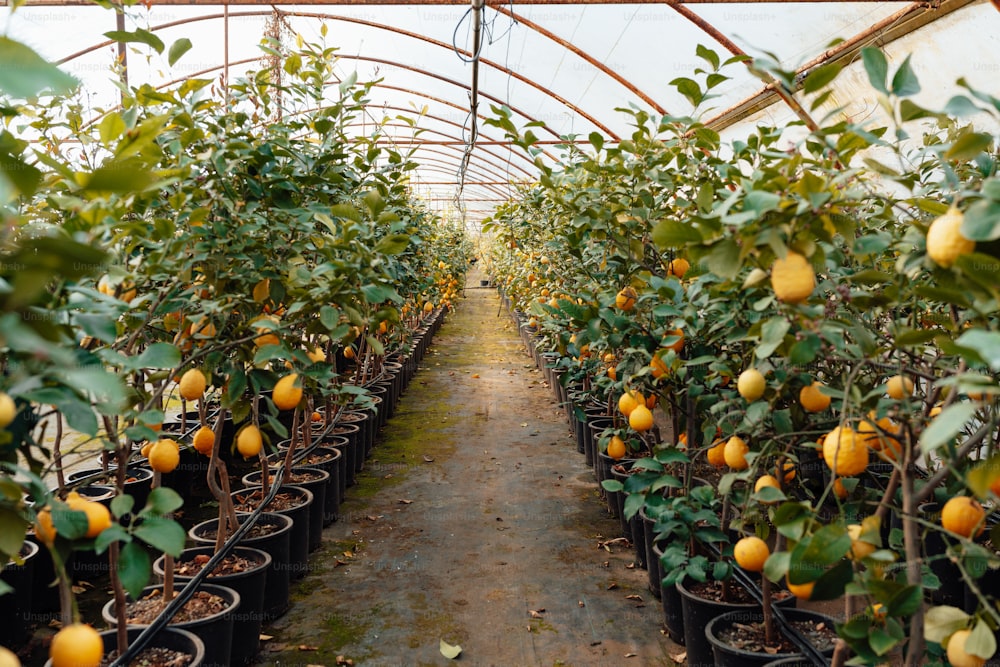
{"type": "Point", "coordinates": [565, 65]}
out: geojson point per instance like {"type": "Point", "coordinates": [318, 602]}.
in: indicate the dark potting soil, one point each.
{"type": "Point", "coordinates": [258, 530]}
{"type": "Point", "coordinates": [282, 501]}
{"type": "Point", "coordinates": [153, 657]}
{"type": "Point", "coordinates": [750, 637]}
{"type": "Point", "coordinates": [302, 476]}
{"type": "Point", "coordinates": [201, 605]}
{"type": "Point", "coordinates": [231, 564]}
{"type": "Point", "coordinates": [712, 590]}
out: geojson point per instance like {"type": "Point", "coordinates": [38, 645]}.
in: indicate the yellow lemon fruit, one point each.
{"type": "Point", "coordinates": [44, 528]}
{"type": "Point", "coordinates": [641, 419]}
{"type": "Point", "coordinates": [801, 591]}
{"type": "Point", "coordinates": [957, 655]}
{"type": "Point", "coordinates": [751, 384]}
{"type": "Point", "coordinates": [625, 299]}
{"type": "Point", "coordinates": [717, 454]}
{"type": "Point", "coordinates": [8, 410]}
{"type": "Point", "coordinates": [98, 516]}
{"type": "Point", "coordinates": [963, 516]}
{"type": "Point", "coordinates": [658, 366]}
{"type": "Point", "coordinates": [792, 278]}
{"type": "Point", "coordinates": [751, 553]}
{"type": "Point", "coordinates": [678, 267]}
{"type": "Point", "coordinates": [349, 352]}
{"type": "Point", "coordinates": [316, 355]}
{"type": "Point", "coordinates": [735, 453]}
{"type": "Point", "coordinates": [899, 387]}
{"type": "Point", "coordinates": [945, 242]}
{"type": "Point", "coordinates": [765, 481]}
{"type": "Point", "coordinates": [76, 645]}
{"type": "Point", "coordinates": [8, 658]}
{"type": "Point", "coordinates": [249, 441]}
{"type": "Point", "coordinates": [616, 448]}
{"type": "Point", "coordinates": [627, 402]}
{"type": "Point", "coordinates": [812, 399]}
{"type": "Point", "coordinates": [860, 549]}
{"type": "Point", "coordinates": [164, 455]}
{"type": "Point", "coordinates": [192, 385]}
{"type": "Point", "coordinates": [204, 440]}
{"type": "Point", "coordinates": [286, 394]}
{"type": "Point", "coordinates": [845, 452]}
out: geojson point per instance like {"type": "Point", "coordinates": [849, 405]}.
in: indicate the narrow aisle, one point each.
{"type": "Point", "coordinates": [476, 522]}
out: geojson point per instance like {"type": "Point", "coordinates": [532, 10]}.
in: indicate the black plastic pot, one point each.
{"type": "Point", "coordinates": [249, 584]}
{"type": "Point", "coordinates": [366, 431]}
{"type": "Point", "coordinates": [595, 426]}
{"type": "Point", "coordinates": [654, 573]}
{"type": "Point", "coordinates": [952, 589]}
{"type": "Point", "coordinates": [620, 473]}
{"type": "Point", "coordinates": [170, 637]}
{"type": "Point", "coordinates": [353, 450]}
{"type": "Point", "coordinates": [15, 610]}
{"type": "Point", "coordinates": [44, 594]}
{"type": "Point", "coordinates": [670, 601]}
{"type": "Point", "coordinates": [215, 631]}
{"type": "Point", "coordinates": [316, 481]}
{"type": "Point", "coordinates": [299, 514]}
{"type": "Point", "coordinates": [381, 392]}
{"type": "Point", "coordinates": [88, 565]}
{"type": "Point", "coordinates": [138, 485]}
{"type": "Point", "coordinates": [275, 543]}
{"type": "Point", "coordinates": [698, 612]}
{"type": "Point", "coordinates": [726, 655]}
{"type": "Point", "coordinates": [340, 444]}
{"type": "Point", "coordinates": [328, 459]}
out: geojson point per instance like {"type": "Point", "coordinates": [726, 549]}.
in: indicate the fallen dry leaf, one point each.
{"type": "Point", "coordinates": [536, 613]}
{"type": "Point", "coordinates": [631, 655]}
{"type": "Point", "coordinates": [348, 554]}
{"type": "Point", "coordinates": [525, 424]}
{"type": "Point", "coordinates": [308, 647]}
{"type": "Point", "coordinates": [580, 603]}
{"type": "Point", "coordinates": [428, 459]}
{"type": "Point", "coordinates": [475, 376]}
{"type": "Point", "coordinates": [612, 586]}
{"type": "Point", "coordinates": [372, 517]}
{"type": "Point", "coordinates": [404, 501]}
{"type": "Point", "coordinates": [679, 658]}
{"type": "Point", "coordinates": [634, 597]}
{"type": "Point", "coordinates": [266, 638]}
{"type": "Point", "coordinates": [387, 476]}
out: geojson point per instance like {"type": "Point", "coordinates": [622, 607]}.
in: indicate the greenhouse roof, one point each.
{"type": "Point", "coordinates": [567, 66]}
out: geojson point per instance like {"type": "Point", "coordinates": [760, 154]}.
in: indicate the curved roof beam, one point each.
{"type": "Point", "coordinates": [484, 174]}
{"type": "Point", "coordinates": [459, 151]}
{"type": "Point", "coordinates": [406, 33]}
{"type": "Point", "coordinates": [434, 166]}
{"type": "Point", "coordinates": [483, 165]}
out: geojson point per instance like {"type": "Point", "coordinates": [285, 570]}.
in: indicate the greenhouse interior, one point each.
{"type": "Point", "coordinates": [550, 332]}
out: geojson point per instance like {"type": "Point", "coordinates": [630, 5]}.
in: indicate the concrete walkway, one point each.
{"type": "Point", "coordinates": [476, 522]}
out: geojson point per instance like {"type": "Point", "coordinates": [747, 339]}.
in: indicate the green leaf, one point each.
{"type": "Point", "coordinates": [100, 327]}
{"type": "Point", "coordinates": [160, 355]}
{"type": "Point", "coordinates": [981, 221]}
{"type": "Point", "coordinates": [121, 505]}
{"type": "Point", "coordinates": [904, 81]}
{"type": "Point", "coordinates": [968, 146]}
{"type": "Point", "coordinates": [880, 641]}
{"type": "Point", "coordinates": [982, 475]}
{"type": "Point", "coordinates": [24, 177]}
{"type": "Point", "coordinates": [113, 533]}
{"type": "Point", "coordinates": [612, 485]}
{"type": "Point", "coordinates": [708, 55]}
{"type": "Point", "coordinates": [776, 565]}
{"type": "Point", "coordinates": [986, 344]}
{"type": "Point", "coordinates": [161, 501]}
{"type": "Point", "coordinates": [724, 259]}
{"type": "Point", "coordinates": [140, 36]}
{"type": "Point", "coordinates": [820, 77]}
{"type": "Point", "coordinates": [393, 244]}
{"type": "Point", "coordinates": [69, 523]}
{"type": "Point", "coordinates": [345, 211]}
{"type": "Point", "coordinates": [772, 334]}
{"type": "Point", "coordinates": [122, 176]}
{"type": "Point", "coordinates": [26, 74]}
{"type": "Point", "coordinates": [178, 49]}
{"type": "Point", "coordinates": [329, 317]}
{"type": "Point", "coordinates": [162, 534]}
{"type": "Point", "coordinates": [449, 651]}
{"type": "Point", "coordinates": [876, 66]}
{"type": "Point", "coordinates": [689, 88]}
{"type": "Point", "coordinates": [981, 641]}
{"type": "Point", "coordinates": [833, 582]}
{"type": "Point", "coordinates": [805, 351]}
{"type": "Point", "coordinates": [134, 568]}
{"type": "Point", "coordinates": [373, 200]}
{"type": "Point", "coordinates": [596, 140]}
{"type": "Point", "coordinates": [13, 528]}
{"type": "Point", "coordinates": [946, 426]}
{"type": "Point", "coordinates": [761, 202]}
{"type": "Point", "coordinates": [905, 602]}
{"type": "Point", "coordinates": [942, 621]}
{"type": "Point", "coordinates": [674, 234]}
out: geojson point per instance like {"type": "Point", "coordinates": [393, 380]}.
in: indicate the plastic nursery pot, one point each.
{"type": "Point", "coordinates": [365, 422]}
{"type": "Point", "coordinates": [595, 426]}
{"type": "Point", "coordinates": [952, 589]}
{"type": "Point", "coordinates": [15, 612]}
{"type": "Point", "coordinates": [215, 630]}
{"type": "Point", "coordinates": [353, 451]}
{"type": "Point", "coordinates": [171, 638]}
{"type": "Point", "coordinates": [249, 583]}
{"type": "Point", "coordinates": [271, 534]}
{"type": "Point", "coordinates": [727, 655]}
{"type": "Point", "coordinates": [338, 443]}
{"type": "Point", "coordinates": [138, 481]}
{"type": "Point", "coordinates": [88, 565]}
{"type": "Point", "coordinates": [44, 598]}
{"type": "Point", "coordinates": [316, 481]}
{"type": "Point", "coordinates": [248, 499]}
{"type": "Point", "coordinates": [698, 611]}
{"type": "Point", "coordinates": [329, 459]}
{"type": "Point", "coordinates": [673, 608]}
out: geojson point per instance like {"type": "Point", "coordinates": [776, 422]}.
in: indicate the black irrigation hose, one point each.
{"type": "Point", "coordinates": [810, 652]}
{"type": "Point", "coordinates": [185, 593]}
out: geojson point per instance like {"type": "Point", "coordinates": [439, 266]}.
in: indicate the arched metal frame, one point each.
{"type": "Point", "coordinates": [911, 17]}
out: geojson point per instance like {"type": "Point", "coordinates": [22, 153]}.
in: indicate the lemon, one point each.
{"type": "Point", "coordinates": [286, 394]}
{"type": "Point", "coordinates": [945, 242]}
{"type": "Point", "coordinates": [845, 452]}
{"type": "Point", "coordinates": [751, 553]}
{"type": "Point", "coordinates": [957, 655]}
{"type": "Point", "coordinates": [751, 384]}
{"type": "Point", "coordinates": [963, 516]}
{"type": "Point", "coordinates": [860, 549]}
{"type": "Point", "coordinates": [616, 448]}
{"type": "Point", "coordinates": [625, 299]}
{"type": "Point", "coordinates": [812, 399]}
{"type": "Point", "coordinates": [8, 658]}
{"type": "Point", "coordinates": [8, 410]}
{"type": "Point", "coordinates": [249, 441]}
{"type": "Point", "coordinates": [717, 454]}
{"type": "Point", "coordinates": [204, 440]}
{"type": "Point", "coordinates": [792, 278]}
{"type": "Point", "coordinates": [735, 453]}
{"type": "Point", "coordinates": [164, 455]}
{"type": "Point", "coordinates": [628, 400]}
{"type": "Point", "coordinates": [899, 387]}
{"type": "Point", "coordinates": [765, 481]}
{"type": "Point", "coordinates": [678, 267]}
{"type": "Point", "coordinates": [641, 419]}
{"type": "Point", "coordinates": [76, 645]}
{"type": "Point", "coordinates": [192, 385]}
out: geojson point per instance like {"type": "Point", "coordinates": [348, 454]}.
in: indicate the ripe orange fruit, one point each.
{"type": "Point", "coordinates": [845, 452]}
{"type": "Point", "coordinates": [963, 516]}
{"type": "Point", "coordinates": [192, 385]}
{"type": "Point", "coordinates": [286, 394]}
{"type": "Point", "coordinates": [899, 387]}
{"type": "Point", "coordinates": [860, 549]}
{"type": "Point", "coordinates": [659, 366]}
{"type": "Point", "coordinates": [735, 453]}
{"type": "Point", "coordinates": [8, 410]}
{"type": "Point", "coordinates": [262, 291]}
{"type": "Point", "coordinates": [348, 352]}
{"type": "Point", "coordinates": [957, 655]}
{"type": "Point", "coordinates": [651, 401]}
{"type": "Point", "coordinates": [316, 355]}
{"type": "Point", "coordinates": [801, 591]}
{"type": "Point", "coordinates": [751, 384]}
{"type": "Point", "coordinates": [164, 455]}
{"type": "Point", "coordinates": [765, 481]}
{"type": "Point", "coordinates": [717, 454]}
{"type": "Point", "coordinates": [678, 267]}
{"type": "Point", "coordinates": [792, 278]}
{"type": "Point", "coordinates": [616, 448]}
{"type": "Point", "coordinates": [204, 440]}
{"type": "Point", "coordinates": [628, 400]}
{"type": "Point", "coordinates": [625, 299]}
{"type": "Point", "coordinates": [76, 645]}
{"type": "Point", "coordinates": [839, 489]}
{"type": "Point", "coordinates": [812, 399]}
{"type": "Point", "coordinates": [945, 242]}
{"type": "Point", "coordinates": [8, 658]}
{"type": "Point", "coordinates": [249, 441]}
{"type": "Point", "coordinates": [882, 437]}
{"type": "Point", "coordinates": [678, 345]}
{"type": "Point", "coordinates": [44, 528]}
{"type": "Point", "coordinates": [641, 419]}
{"type": "Point", "coordinates": [428, 307]}
{"type": "Point", "coordinates": [203, 328]}
{"type": "Point", "coordinates": [789, 471]}
{"type": "Point", "coordinates": [750, 553]}
{"type": "Point", "coordinates": [98, 516]}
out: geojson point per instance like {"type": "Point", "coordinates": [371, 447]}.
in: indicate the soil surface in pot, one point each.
{"type": "Point", "coordinates": [712, 590]}
{"type": "Point", "coordinates": [153, 657]}
{"type": "Point", "coordinates": [298, 476]}
{"type": "Point", "coordinates": [201, 605]}
{"type": "Point", "coordinates": [248, 502]}
{"type": "Point", "coordinates": [231, 564]}
{"type": "Point", "coordinates": [259, 529]}
{"type": "Point", "coordinates": [750, 637]}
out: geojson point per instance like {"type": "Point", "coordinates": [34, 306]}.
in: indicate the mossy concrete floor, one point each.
{"type": "Point", "coordinates": [475, 522]}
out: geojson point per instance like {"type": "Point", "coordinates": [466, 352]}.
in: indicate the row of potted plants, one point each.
{"type": "Point", "coordinates": [193, 281]}
{"type": "Point", "coordinates": [780, 352]}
